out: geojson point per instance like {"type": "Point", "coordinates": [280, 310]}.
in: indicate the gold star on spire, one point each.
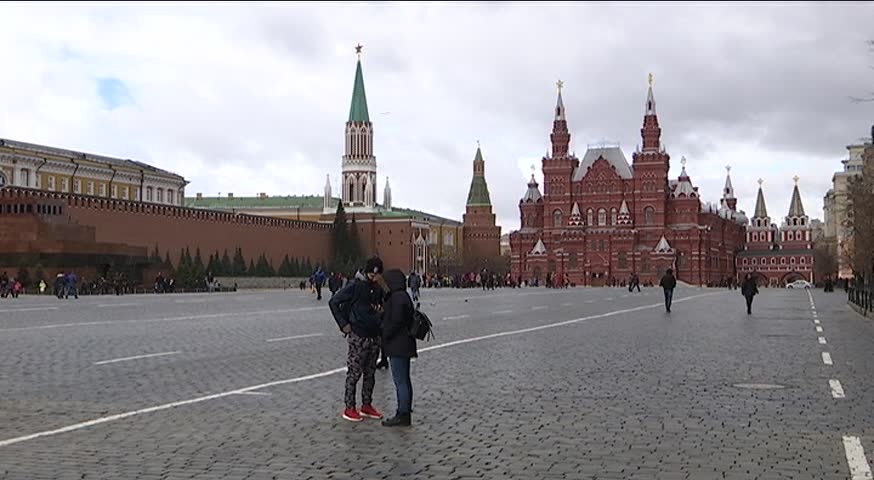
{"type": "Point", "coordinates": [358, 49]}
{"type": "Point", "coordinates": [728, 168]}
{"type": "Point", "coordinates": [796, 178]}
{"type": "Point", "coordinates": [650, 79]}
{"type": "Point", "coordinates": [559, 84]}
{"type": "Point", "coordinates": [683, 160]}
{"type": "Point", "coordinates": [761, 182]}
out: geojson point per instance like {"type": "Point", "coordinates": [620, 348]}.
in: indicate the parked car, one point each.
{"type": "Point", "coordinates": [798, 284]}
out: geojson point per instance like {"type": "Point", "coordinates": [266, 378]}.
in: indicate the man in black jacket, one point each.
{"type": "Point", "coordinates": [749, 289]}
{"type": "Point", "coordinates": [357, 309]}
{"type": "Point", "coordinates": [399, 345]}
{"type": "Point", "coordinates": [669, 283]}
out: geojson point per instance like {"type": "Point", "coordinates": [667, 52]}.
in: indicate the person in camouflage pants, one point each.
{"type": "Point", "coordinates": [361, 361]}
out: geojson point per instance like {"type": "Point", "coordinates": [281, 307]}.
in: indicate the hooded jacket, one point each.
{"type": "Point", "coordinates": [397, 318]}
{"type": "Point", "coordinates": [355, 305]}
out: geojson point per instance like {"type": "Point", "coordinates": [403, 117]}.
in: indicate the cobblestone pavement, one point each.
{"type": "Point", "coordinates": [518, 384]}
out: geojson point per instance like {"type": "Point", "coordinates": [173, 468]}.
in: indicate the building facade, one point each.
{"type": "Point", "coordinates": [776, 255]}
{"type": "Point", "coordinates": [28, 165]}
{"type": "Point", "coordinates": [599, 219]}
{"type": "Point", "coordinates": [837, 229]}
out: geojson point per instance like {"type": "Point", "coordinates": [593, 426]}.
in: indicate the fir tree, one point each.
{"type": "Point", "coordinates": [167, 262]}
{"type": "Point", "coordinates": [285, 268]}
{"type": "Point", "coordinates": [198, 270]}
{"type": "Point", "coordinates": [252, 270]}
{"type": "Point", "coordinates": [217, 269]}
{"type": "Point", "coordinates": [227, 266]}
{"type": "Point", "coordinates": [239, 264]}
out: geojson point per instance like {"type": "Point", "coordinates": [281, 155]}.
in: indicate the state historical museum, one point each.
{"type": "Point", "coordinates": [600, 219]}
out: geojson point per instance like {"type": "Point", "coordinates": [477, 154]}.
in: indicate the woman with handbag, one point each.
{"type": "Point", "coordinates": [399, 344]}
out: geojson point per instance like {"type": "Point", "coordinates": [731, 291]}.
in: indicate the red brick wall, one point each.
{"type": "Point", "coordinates": [174, 228]}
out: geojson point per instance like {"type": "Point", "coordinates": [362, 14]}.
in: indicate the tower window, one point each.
{"type": "Point", "coordinates": [556, 218]}
{"type": "Point", "coordinates": [649, 216]}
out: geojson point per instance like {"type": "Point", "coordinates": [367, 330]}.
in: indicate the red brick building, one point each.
{"type": "Point", "coordinates": [600, 219]}
{"type": "Point", "coordinates": [778, 255]}
{"type": "Point", "coordinates": [482, 238]}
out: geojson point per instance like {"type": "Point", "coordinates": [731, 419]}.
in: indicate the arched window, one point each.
{"type": "Point", "coordinates": [556, 218]}
{"type": "Point", "coordinates": [613, 216]}
{"type": "Point", "coordinates": [649, 216]}
{"type": "Point", "coordinates": [602, 217]}
{"type": "Point", "coordinates": [590, 217]}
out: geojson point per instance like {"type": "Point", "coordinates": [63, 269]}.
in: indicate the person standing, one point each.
{"type": "Point", "coordinates": [414, 282]}
{"type": "Point", "coordinates": [334, 283]}
{"type": "Point", "coordinates": [357, 309]}
{"type": "Point", "coordinates": [72, 286]}
{"type": "Point", "coordinates": [668, 283]}
{"type": "Point", "coordinates": [399, 345]}
{"type": "Point", "coordinates": [749, 289]}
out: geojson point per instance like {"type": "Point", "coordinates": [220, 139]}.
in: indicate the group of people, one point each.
{"type": "Point", "coordinates": [375, 314]}
{"type": "Point", "coordinates": [66, 284]}
{"type": "Point", "coordinates": [9, 287]}
{"type": "Point", "coordinates": [164, 285]}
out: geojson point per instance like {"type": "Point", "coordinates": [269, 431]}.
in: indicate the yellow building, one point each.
{"type": "Point", "coordinates": [58, 170]}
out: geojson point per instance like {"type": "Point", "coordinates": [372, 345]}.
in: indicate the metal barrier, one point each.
{"type": "Point", "coordinates": [861, 297]}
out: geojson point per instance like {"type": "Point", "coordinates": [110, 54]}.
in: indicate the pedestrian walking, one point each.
{"type": "Point", "coordinates": [318, 282]}
{"type": "Point", "coordinates": [42, 287]}
{"type": "Point", "coordinates": [668, 283]}
{"type": "Point", "coordinates": [72, 282]}
{"type": "Point", "coordinates": [749, 289]}
{"type": "Point", "coordinates": [399, 345]}
{"type": "Point", "coordinates": [357, 308]}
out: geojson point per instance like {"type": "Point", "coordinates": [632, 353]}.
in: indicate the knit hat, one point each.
{"type": "Point", "coordinates": [374, 265]}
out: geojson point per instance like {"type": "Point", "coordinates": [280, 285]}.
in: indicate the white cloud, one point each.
{"type": "Point", "coordinates": [253, 97]}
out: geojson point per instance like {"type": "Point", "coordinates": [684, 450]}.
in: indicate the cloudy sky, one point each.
{"type": "Point", "coordinates": [250, 98]}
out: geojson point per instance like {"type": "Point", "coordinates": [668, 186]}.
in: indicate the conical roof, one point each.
{"type": "Point", "coordinates": [796, 209]}
{"type": "Point", "coordinates": [533, 194]}
{"type": "Point", "coordinates": [760, 211]}
{"type": "Point", "coordinates": [479, 189]}
{"type": "Point", "coordinates": [358, 110]}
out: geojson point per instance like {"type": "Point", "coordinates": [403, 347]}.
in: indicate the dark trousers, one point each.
{"type": "Point", "coordinates": [669, 296]}
{"type": "Point", "coordinates": [400, 373]}
{"type": "Point", "coordinates": [749, 304]}
{"type": "Point", "coordinates": [363, 353]}
{"type": "Point", "coordinates": [318, 291]}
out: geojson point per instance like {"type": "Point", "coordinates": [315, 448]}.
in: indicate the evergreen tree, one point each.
{"type": "Point", "coordinates": [183, 269]}
{"type": "Point", "coordinates": [239, 264]}
{"type": "Point", "coordinates": [285, 268]}
{"type": "Point", "coordinates": [40, 274]}
{"type": "Point", "coordinates": [156, 257]}
{"type": "Point", "coordinates": [227, 266]}
{"type": "Point", "coordinates": [167, 263]}
{"type": "Point", "coordinates": [210, 265]}
{"type": "Point", "coordinates": [252, 270]}
{"type": "Point", "coordinates": [308, 267]}
{"type": "Point", "coordinates": [217, 269]}
{"type": "Point", "coordinates": [295, 268]}
{"type": "Point", "coordinates": [198, 270]}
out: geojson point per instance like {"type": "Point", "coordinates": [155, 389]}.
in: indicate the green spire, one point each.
{"type": "Point", "coordinates": [358, 111]}
{"type": "Point", "coordinates": [479, 190]}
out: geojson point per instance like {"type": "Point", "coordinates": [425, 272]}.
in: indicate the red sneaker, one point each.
{"type": "Point", "coordinates": [352, 415]}
{"type": "Point", "coordinates": [370, 412]}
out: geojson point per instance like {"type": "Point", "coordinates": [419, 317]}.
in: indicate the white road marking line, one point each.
{"type": "Point", "coordinates": [107, 305]}
{"type": "Point", "coordinates": [567, 304]}
{"type": "Point", "coordinates": [502, 312]}
{"type": "Point", "coordinates": [590, 301]}
{"type": "Point", "coordinates": [32, 309]}
{"type": "Point", "coordinates": [816, 322]}
{"type": "Point", "coordinates": [821, 340]}
{"type": "Point", "coordinates": [859, 468]}
{"type": "Point", "coordinates": [170, 319]}
{"type": "Point", "coordinates": [826, 358]}
{"type": "Point", "coordinates": [116, 360]}
{"type": "Point", "coordinates": [837, 389]}
{"type": "Point", "coordinates": [167, 406]}
{"type": "Point", "coordinates": [457, 317]}
{"type": "Point", "coordinates": [819, 329]}
{"type": "Point", "coordinates": [254, 393]}
{"type": "Point", "coordinates": [539, 307]}
{"type": "Point", "coordinates": [608, 298]}
{"type": "Point", "coordinates": [295, 337]}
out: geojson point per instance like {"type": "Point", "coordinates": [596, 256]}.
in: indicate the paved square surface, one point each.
{"type": "Point", "coordinates": [518, 384]}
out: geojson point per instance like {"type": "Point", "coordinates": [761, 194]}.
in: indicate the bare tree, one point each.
{"type": "Point", "coordinates": [860, 212]}
{"type": "Point", "coordinates": [870, 96]}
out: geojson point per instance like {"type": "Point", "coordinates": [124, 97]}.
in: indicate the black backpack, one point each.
{"type": "Point", "coordinates": [421, 326]}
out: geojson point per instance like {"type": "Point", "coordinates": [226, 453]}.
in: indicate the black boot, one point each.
{"type": "Point", "coordinates": [399, 420]}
